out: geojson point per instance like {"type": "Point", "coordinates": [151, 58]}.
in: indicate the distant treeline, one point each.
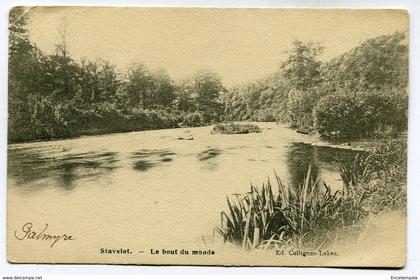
{"type": "Point", "coordinates": [53, 96]}
{"type": "Point", "coordinates": [361, 93]}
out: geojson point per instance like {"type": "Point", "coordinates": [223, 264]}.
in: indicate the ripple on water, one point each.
{"type": "Point", "coordinates": [35, 164]}
{"type": "Point", "coordinates": [146, 159]}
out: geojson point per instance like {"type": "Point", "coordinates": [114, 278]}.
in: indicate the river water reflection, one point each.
{"type": "Point", "coordinates": [127, 177]}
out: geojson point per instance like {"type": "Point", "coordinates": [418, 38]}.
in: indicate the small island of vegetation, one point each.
{"type": "Point", "coordinates": [236, 128]}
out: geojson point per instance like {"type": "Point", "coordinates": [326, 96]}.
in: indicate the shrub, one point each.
{"type": "Point", "coordinates": [361, 114]}
{"type": "Point", "coordinates": [389, 185]}
{"type": "Point", "coordinates": [265, 115]}
{"type": "Point", "coordinates": [381, 173]}
{"type": "Point", "coordinates": [193, 119]}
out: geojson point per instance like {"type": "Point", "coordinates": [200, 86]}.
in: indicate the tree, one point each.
{"type": "Point", "coordinates": [99, 83]}
{"type": "Point", "coordinates": [208, 86]}
{"type": "Point", "coordinates": [185, 96]}
{"type": "Point", "coordinates": [251, 94]}
{"type": "Point", "coordinates": [25, 78]}
{"type": "Point", "coordinates": [377, 63]}
{"type": "Point", "coordinates": [148, 90]}
{"type": "Point", "coordinates": [300, 106]}
{"type": "Point", "coordinates": [163, 90]}
{"type": "Point", "coordinates": [137, 90]}
{"type": "Point", "coordinates": [302, 67]}
{"type": "Point", "coordinates": [365, 89]}
{"type": "Point", "coordinates": [301, 70]}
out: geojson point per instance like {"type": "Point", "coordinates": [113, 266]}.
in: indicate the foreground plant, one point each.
{"type": "Point", "coordinates": [381, 173]}
{"type": "Point", "coordinates": [309, 215]}
{"type": "Point", "coordinates": [306, 216]}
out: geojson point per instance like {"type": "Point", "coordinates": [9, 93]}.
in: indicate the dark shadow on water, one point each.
{"type": "Point", "coordinates": [155, 152]}
{"type": "Point", "coordinates": [30, 166]}
{"type": "Point", "coordinates": [257, 160]}
{"type": "Point", "coordinates": [146, 159]}
{"type": "Point", "coordinates": [209, 154]}
{"type": "Point", "coordinates": [143, 165]}
{"type": "Point", "coordinates": [301, 155]}
{"type": "Point", "coordinates": [208, 157]}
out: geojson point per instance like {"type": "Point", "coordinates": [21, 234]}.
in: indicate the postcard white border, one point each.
{"type": "Point", "coordinates": [99, 271]}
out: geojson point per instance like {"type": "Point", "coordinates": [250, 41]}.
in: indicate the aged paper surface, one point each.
{"type": "Point", "coordinates": [190, 136]}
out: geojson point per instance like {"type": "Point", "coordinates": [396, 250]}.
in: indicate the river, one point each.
{"type": "Point", "coordinates": [169, 184]}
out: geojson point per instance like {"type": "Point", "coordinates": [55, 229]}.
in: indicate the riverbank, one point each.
{"type": "Point", "coordinates": [306, 216]}
{"type": "Point", "coordinates": [366, 144]}
{"type": "Point", "coordinates": [362, 144]}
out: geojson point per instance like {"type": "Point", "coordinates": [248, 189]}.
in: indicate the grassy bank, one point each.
{"type": "Point", "coordinates": [310, 215]}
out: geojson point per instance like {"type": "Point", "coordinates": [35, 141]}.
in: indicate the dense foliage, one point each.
{"type": "Point", "coordinates": [53, 96]}
{"type": "Point", "coordinates": [362, 93]}
{"type": "Point", "coordinates": [365, 113]}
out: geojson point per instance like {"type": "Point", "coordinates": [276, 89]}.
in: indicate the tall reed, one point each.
{"type": "Point", "coordinates": [381, 173]}
{"type": "Point", "coordinates": [304, 216]}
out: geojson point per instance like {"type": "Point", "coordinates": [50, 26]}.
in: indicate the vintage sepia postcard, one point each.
{"type": "Point", "coordinates": [207, 136]}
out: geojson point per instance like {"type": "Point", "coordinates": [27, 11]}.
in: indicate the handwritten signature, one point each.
{"type": "Point", "coordinates": [27, 232]}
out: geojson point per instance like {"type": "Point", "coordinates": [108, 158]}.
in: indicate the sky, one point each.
{"type": "Point", "coordinates": [239, 44]}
